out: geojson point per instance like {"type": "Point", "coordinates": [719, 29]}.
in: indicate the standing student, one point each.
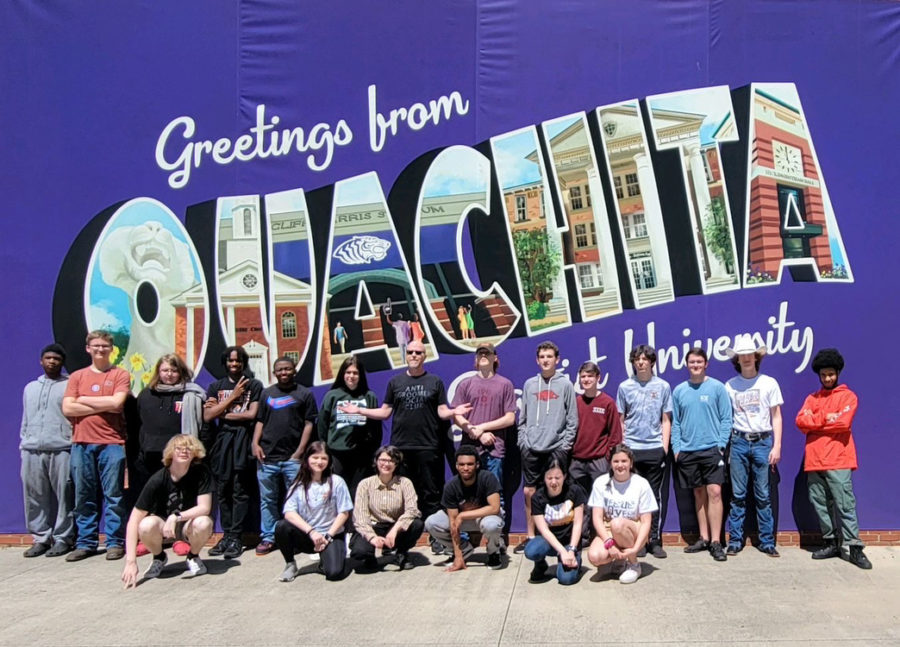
{"type": "Point", "coordinates": [94, 400]}
{"type": "Point", "coordinates": [284, 424]}
{"type": "Point", "coordinates": [830, 460]}
{"type": "Point", "coordinates": [233, 403]}
{"type": "Point", "coordinates": [547, 424]}
{"type": "Point", "coordinates": [351, 437]}
{"type": "Point", "coordinates": [755, 443]}
{"type": "Point", "coordinates": [645, 402]}
{"type": "Point", "coordinates": [169, 405]}
{"type": "Point", "coordinates": [45, 445]}
{"type": "Point", "coordinates": [490, 425]}
{"type": "Point", "coordinates": [700, 432]}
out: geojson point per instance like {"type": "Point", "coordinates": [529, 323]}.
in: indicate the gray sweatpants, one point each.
{"type": "Point", "coordinates": [49, 496]}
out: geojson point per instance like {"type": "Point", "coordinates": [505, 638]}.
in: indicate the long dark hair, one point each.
{"type": "Point", "coordinates": [304, 476]}
{"type": "Point", "coordinates": [362, 387]}
{"type": "Point", "coordinates": [621, 448]}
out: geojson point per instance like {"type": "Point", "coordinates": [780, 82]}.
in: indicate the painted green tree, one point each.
{"type": "Point", "coordinates": [539, 263]}
{"type": "Point", "coordinates": [716, 232]}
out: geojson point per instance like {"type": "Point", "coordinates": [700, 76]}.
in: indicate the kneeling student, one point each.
{"type": "Point", "coordinates": [472, 503]}
{"type": "Point", "coordinates": [623, 506]}
{"type": "Point", "coordinates": [175, 504]}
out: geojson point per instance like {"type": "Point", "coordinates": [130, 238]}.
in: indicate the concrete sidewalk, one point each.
{"type": "Point", "coordinates": [750, 600]}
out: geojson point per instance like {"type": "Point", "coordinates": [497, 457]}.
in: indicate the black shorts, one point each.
{"type": "Point", "coordinates": [703, 467]}
{"type": "Point", "coordinates": [534, 464]}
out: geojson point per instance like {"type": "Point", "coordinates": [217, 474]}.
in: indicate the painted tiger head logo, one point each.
{"type": "Point", "coordinates": [362, 250]}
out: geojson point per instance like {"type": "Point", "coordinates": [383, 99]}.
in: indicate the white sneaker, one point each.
{"type": "Point", "coordinates": [289, 573]}
{"type": "Point", "coordinates": [156, 567]}
{"type": "Point", "coordinates": [631, 573]}
{"type": "Point", "coordinates": [195, 567]}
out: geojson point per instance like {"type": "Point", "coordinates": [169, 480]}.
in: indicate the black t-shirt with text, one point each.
{"type": "Point", "coordinates": [221, 389]}
{"type": "Point", "coordinates": [415, 423]}
{"type": "Point", "coordinates": [162, 496]}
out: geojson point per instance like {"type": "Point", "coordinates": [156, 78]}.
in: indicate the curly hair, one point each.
{"type": "Point", "coordinates": [183, 440]}
{"type": "Point", "coordinates": [827, 358]}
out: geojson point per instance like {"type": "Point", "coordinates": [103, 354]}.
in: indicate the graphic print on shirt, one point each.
{"type": "Point", "coordinates": [238, 406]}
{"type": "Point", "coordinates": [349, 419]}
{"type": "Point", "coordinates": [748, 402]}
{"type": "Point", "coordinates": [543, 396]}
{"type": "Point", "coordinates": [174, 502]}
{"type": "Point", "coordinates": [561, 514]}
{"type": "Point", "coordinates": [281, 402]}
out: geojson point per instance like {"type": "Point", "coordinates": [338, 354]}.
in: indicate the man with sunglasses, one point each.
{"type": "Point", "coordinates": [417, 400]}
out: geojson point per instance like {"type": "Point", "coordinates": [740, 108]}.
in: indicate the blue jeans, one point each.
{"type": "Point", "coordinates": [270, 477]}
{"type": "Point", "coordinates": [539, 548]}
{"type": "Point", "coordinates": [749, 456]}
{"type": "Point", "coordinates": [96, 470]}
{"type": "Point", "coordinates": [494, 465]}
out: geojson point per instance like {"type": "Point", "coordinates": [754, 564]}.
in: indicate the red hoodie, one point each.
{"type": "Point", "coordinates": [826, 418]}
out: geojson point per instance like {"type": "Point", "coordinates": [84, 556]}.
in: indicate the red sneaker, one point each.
{"type": "Point", "coordinates": [142, 550]}
{"type": "Point", "coordinates": [181, 548]}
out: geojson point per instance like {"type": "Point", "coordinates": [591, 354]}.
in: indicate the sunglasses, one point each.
{"type": "Point", "coordinates": [415, 352]}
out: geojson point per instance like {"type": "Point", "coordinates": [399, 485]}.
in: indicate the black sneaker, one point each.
{"type": "Point", "coordinates": [219, 548]}
{"type": "Point", "coordinates": [437, 548]}
{"type": "Point", "coordinates": [643, 551]}
{"type": "Point", "coordinates": [658, 551]}
{"type": "Point", "coordinates": [403, 562]}
{"type": "Point", "coordinates": [733, 549]}
{"type": "Point", "coordinates": [539, 572]}
{"type": "Point", "coordinates": [829, 550]}
{"type": "Point", "coordinates": [233, 549]}
{"type": "Point", "coordinates": [715, 549]}
{"type": "Point", "coordinates": [858, 557]}
{"type": "Point", "coordinates": [520, 547]}
{"type": "Point", "coordinates": [494, 562]}
{"type": "Point", "coordinates": [697, 547]}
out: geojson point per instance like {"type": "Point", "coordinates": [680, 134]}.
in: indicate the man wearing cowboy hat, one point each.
{"type": "Point", "coordinates": [755, 442]}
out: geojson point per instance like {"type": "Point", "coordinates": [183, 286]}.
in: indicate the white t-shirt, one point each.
{"type": "Point", "coordinates": [752, 401]}
{"type": "Point", "coordinates": [629, 499]}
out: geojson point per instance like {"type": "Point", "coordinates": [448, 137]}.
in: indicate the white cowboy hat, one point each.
{"type": "Point", "coordinates": [743, 345]}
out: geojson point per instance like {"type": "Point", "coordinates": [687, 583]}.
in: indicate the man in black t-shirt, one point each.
{"type": "Point", "coordinates": [418, 402]}
{"type": "Point", "coordinates": [174, 505]}
{"type": "Point", "coordinates": [233, 403]}
{"type": "Point", "coordinates": [472, 503]}
{"type": "Point", "coordinates": [284, 425]}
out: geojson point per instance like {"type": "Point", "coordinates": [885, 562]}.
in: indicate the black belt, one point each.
{"type": "Point", "coordinates": [752, 436]}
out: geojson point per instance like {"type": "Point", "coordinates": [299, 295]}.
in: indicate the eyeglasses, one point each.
{"type": "Point", "coordinates": [183, 450]}
{"type": "Point", "coordinates": [99, 346]}
{"type": "Point", "coordinates": [484, 353]}
{"type": "Point", "coordinates": [415, 352]}
{"type": "Point", "coordinates": [385, 461]}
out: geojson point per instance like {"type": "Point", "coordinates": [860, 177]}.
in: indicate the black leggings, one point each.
{"type": "Point", "coordinates": [291, 540]}
{"type": "Point", "coordinates": [360, 548]}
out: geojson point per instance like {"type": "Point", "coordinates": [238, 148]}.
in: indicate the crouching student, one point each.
{"type": "Point", "coordinates": [386, 513]}
{"type": "Point", "coordinates": [174, 505]}
{"type": "Point", "coordinates": [558, 511]}
{"type": "Point", "coordinates": [623, 506]}
{"type": "Point", "coordinates": [317, 507]}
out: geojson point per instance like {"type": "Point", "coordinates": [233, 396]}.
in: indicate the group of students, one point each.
{"type": "Point", "coordinates": [595, 469]}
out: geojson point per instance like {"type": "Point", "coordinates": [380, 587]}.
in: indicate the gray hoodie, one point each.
{"type": "Point", "coordinates": [44, 427]}
{"type": "Point", "coordinates": [549, 416]}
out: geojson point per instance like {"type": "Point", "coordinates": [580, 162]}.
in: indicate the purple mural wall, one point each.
{"type": "Point", "coordinates": [189, 175]}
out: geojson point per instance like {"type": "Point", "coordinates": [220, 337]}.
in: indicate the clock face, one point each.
{"type": "Point", "coordinates": [788, 159]}
{"type": "Point", "coordinates": [249, 281]}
